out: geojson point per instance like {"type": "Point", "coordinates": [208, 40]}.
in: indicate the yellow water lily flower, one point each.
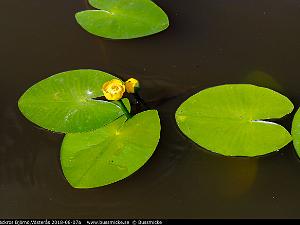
{"type": "Point", "coordinates": [113, 89]}
{"type": "Point", "coordinates": [132, 85]}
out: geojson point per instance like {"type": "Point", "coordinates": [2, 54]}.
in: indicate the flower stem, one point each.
{"type": "Point", "coordinates": [139, 100]}
{"type": "Point", "coordinates": [124, 109]}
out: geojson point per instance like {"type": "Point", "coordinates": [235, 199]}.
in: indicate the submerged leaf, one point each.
{"type": "Point", "coordinates": [64, 102]}
{"type": "Point", "coordinates": [227, 119]}
{"type": "Point", "coordinates": [123, 19]}
{"type": "Point", "coordinates": [262, 79]}
{"type": "Point", "coordinates": [111, 153]}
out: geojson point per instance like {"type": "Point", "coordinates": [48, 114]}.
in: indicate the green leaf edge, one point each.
{"type": "Point", "coordinates": [296, 132]}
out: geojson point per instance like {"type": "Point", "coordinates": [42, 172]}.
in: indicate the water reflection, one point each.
{"type": "Point", "coordinates": [16, 162]}
{"type": "Point", "coordinates": [87, 4]}
{"type": "Point", "coordinates": [262, 79]}
{"type": "Point", "coordinates": [156, 90]}
{"type": "Point", "coordinates": [236, 176]}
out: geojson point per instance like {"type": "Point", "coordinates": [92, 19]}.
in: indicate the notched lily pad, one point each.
{"type": "Point", "coordinates": [111, 153]}
{"type": "Point", "coordinates": [123, 19]}
{"type": "Point", "coordinates": [65, 102]}
{"type": "Point", "coordinates": [228, 119]}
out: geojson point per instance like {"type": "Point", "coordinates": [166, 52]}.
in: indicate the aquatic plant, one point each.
{"type": "Point", "coordinates": [123, 19]}
{"type": "Point", "coordinates": [104, 143]}
{"type": "Point", "coordinates": [296, 131]}
{"type": "Point", "coordinates": [231, 119]}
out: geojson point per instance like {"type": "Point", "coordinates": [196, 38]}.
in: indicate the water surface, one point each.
{"type": "Point", "coordinates": [208, 43]}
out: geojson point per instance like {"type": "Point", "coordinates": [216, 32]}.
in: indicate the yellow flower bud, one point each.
{"type": "Point", "coordinates": [113, 89]}
{"type": "Point", "coordinates": [132, 85]}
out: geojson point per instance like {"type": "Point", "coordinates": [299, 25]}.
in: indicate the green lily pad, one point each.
{"type": "Point", "coordinates": [123, 19]}
{"type": "Point", "coordinates": [228, 119]}
{"type": "Point", "coordinates": [64, 102]}
{"type": "Point", "coordinates": [296, 131]}
{"type": "Point", "coordinates": [111, 153]}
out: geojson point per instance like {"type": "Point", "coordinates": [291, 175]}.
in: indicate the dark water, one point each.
{"type": "Point", "coordinates": [210, 42]}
